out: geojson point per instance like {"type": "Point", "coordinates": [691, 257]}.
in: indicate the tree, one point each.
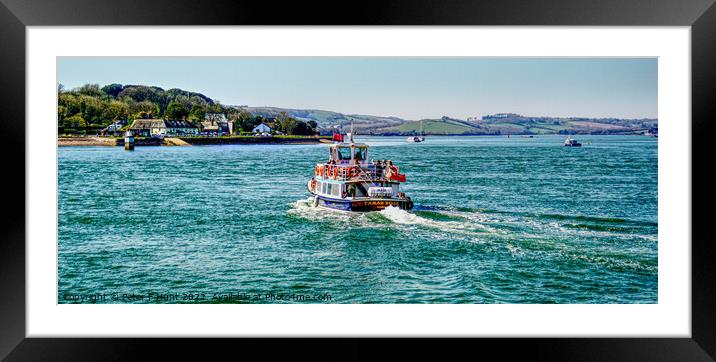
{"type": "Point", "coordinates": [91, 108]}
{"type": "Point", "coordinates": [246, 121]}
{"type": "Point", "coordinates": [112, 90]}
{"type": "Point", "coordinates": [197, 112]}
{"type": "Point", "coordinates": [75, 121]}
{"type": "Point", "coordinates": [89, 90]}
{"type": "Point", "coordinates": [175, 111]}
{"type": "Point", "coordinates": [147, 108]}
{"type": "Point", "coordinates": [302, 128]}
{"type": "Point", "coordinates": [288, 124]}
{"type": "Point", "coordinates": [215, 108]}
{"type": "Point", "coordinates": [116, 110]}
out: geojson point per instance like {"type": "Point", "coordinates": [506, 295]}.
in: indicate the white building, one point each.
{"type": "Point", "coordinates": [115, 127]}
{"type": "Point", "coordinates": [156, 127]}
{"type": "Point", "coordinates": [262, 128]}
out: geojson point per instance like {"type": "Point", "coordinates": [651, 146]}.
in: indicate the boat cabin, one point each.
{"type": "Point", "coordinates": [349, 153]}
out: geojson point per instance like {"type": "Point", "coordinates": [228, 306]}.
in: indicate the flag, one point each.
{"type": "Point", "coordinates": [400, 177]}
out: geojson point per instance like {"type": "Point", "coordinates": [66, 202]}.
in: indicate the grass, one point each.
{"type": "Point", "coordinates": [433, 127]}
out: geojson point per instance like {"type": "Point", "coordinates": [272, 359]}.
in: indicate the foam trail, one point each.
{"type": "Point", "coordinates": [402, 217]}
{"type": "Point", "coordinates": [304, 208]}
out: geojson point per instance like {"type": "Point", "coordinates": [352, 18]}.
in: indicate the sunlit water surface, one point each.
{"type": "Point", "coordinates": [496, 220]}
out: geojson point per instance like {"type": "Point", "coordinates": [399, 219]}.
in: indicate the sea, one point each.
{"type": "Point", "coordinates": [496, 220]}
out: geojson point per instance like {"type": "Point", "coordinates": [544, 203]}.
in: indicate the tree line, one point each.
{"type": "Point", "coordinates": [90, 108]}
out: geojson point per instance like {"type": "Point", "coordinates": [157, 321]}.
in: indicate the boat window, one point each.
{"type": "Point", "coordinates": [360, 153]}
{"type": "Point", "coordinates": [344, 153]}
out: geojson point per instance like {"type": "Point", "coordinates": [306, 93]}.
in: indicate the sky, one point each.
{"type": "Point", "coordinates": [410, 88]}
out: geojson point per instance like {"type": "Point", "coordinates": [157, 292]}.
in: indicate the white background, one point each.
{"type": "Point", "coordinates": [669, 317]}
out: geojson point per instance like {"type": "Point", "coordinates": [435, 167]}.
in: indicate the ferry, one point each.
{"type": "Point", "coordinates": [349, 182]}
{"type": "Point", "coordinates": [571, 142]}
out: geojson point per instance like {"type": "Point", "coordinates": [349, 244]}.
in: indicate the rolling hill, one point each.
{"type": "Point", "coordinates": [498, 124]}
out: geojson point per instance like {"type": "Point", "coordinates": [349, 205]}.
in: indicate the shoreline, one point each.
{"type": "Point", "coordinates": [187, 141]}
{"type": "Point", "coordinates": [208, 141]}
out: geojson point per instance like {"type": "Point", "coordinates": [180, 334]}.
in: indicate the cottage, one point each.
{"type": "Point", "coordinates": [215, 127]}
{"type": "Point", "coordinates": [115, 127]}
{"type": "Point", "coordinates": [216, 124]}
{"type": "Point", "coordinates": [262, 128]}
{"type": "Point", "coordinates": [160, 127]}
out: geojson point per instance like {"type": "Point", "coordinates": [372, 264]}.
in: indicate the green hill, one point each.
{"type": "Point", "coordinates": [445, 126]}
{"type": "Point", "coordinates": [365, 124]}
{"type": "Point", "coordinates": [90, 108]}
{"type": "Point", "coordinates": [516, 124]}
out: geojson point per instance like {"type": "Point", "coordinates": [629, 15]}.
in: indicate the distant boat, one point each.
{"type": "Point", "coordinates": [416, 139]}
{"type": "Point", "coordinates": [571, 142]}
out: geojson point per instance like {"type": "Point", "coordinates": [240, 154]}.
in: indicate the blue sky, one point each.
{"type": "Point", "coordinates": [410, 88]}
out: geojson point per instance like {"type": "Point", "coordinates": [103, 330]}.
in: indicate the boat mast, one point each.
{"type": "Point", "coordinates": [350, 138]}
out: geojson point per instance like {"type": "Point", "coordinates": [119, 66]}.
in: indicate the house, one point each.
{"type": "Point", "coordinates": [216, 124]}
{"type": "Point", "coordinates": [115, 127]}
{"type": "Point", "coordinates": [216, 128]}
{"type": "Point", "coordinates": [262, 128]}
{"type": "Point", "coordinates": [160, 127]}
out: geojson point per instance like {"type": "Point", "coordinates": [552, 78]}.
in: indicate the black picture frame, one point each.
{"type": "Point", "coordinates": [16, 15]}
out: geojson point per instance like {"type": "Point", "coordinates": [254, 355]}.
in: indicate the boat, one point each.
{"type": "Point", "coordinates": [571, 142]}
{"type": "Point", "coordinates": [349, 182]}
{"type": "Point", "coordinates": [417, 139]}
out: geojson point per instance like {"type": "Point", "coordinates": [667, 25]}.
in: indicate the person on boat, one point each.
{"type": "Point", "coordinates": [388, 170]}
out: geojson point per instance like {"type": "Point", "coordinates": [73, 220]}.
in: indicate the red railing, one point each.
{"type": "Point", "coordinates": [356, 172]}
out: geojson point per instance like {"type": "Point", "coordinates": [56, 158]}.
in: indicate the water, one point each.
{"type": "Point", "coordinates": [497, 220]}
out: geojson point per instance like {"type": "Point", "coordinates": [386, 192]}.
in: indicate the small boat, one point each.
{"type": "Point", "coordinates": [349, 182]}
{"type": "Point", "coordinates": [416, 139]}
{"type": "Point", "coordinates": [571, 142]}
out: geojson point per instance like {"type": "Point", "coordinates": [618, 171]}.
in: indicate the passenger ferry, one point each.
{"type": "Point", "coordinates": [349, 182]}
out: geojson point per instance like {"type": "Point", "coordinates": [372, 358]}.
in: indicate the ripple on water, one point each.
{"type": "Point", "coordinates": [524, 222]}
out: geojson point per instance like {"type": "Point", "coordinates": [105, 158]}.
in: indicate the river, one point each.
{"type": "Point", "coordinates": [496, 220]}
